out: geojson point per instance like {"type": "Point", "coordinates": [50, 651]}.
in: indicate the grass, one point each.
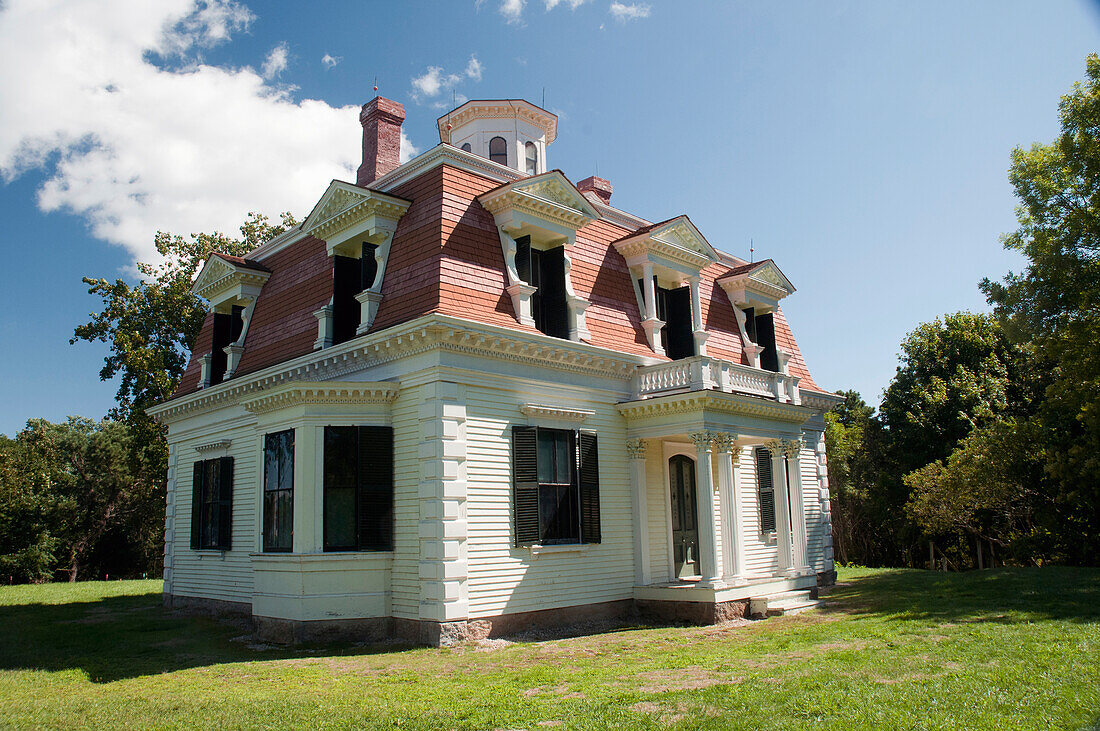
{"type": "Point", "coordinates": [1009, 648]}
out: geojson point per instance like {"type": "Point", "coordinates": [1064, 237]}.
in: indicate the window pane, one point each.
{"type": "Point", "coordinates": [340, 518]}
{"type": "Point", "coordinates": [278, 520]}
{"type": "Point", "coordinates": [466, 147]}
{"type": "Point", "coordinates": [498, 150]}
{"type": "Point", "coordinates": [532, 158]}
{"type": "Point", "coordinates": [546, 455]}
{"type": "Point", "coordinates": [286, 460]}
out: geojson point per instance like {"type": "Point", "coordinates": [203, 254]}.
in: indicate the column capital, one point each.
{"type": "Point", "coordinates": [724, 442]}
{"type": "Point", "coordinates": [775, 446]}
{"type": "Point", "coordinates": [635, 448]}
{"type": "Point", "coordinates": [703, 440]}
{"type": "Point", "coordinates": [791, 447]}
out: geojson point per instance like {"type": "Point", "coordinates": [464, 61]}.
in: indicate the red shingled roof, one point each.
{"type": "Point", "coordinates": [446, 258]}
{"type": "Point", "coordinates": [242, 262]}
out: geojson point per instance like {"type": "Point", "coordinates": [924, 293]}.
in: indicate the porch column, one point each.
{"type": "Point", "coordinates": [782, 506]}
{"type": "Point", "coordinates": [635, 449]}
{"type": "Point", "coordinates": [733, 534]}
{"type": "Point", "coordinates": [708, 554]}
{"type": "Point", "coordinates": [798, 510]}
{"type": "Point", "coordinates": [651, 324]}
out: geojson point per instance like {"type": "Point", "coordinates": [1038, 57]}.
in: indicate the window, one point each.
{"type": "Point", "coordinates": [227, 329]}
{"type": "Point", "coordinates": [765, 489]}
{"type": "Point", "coordinates": [532, 155]}
{"type": "Point", "coordinates": [466, 147]}
{"type": "Point", "coordinates": [498, 150]}
{"type": "Point", "coordinates": [761, 330]}
{"type": "Point", "coordinates": [358, 488]}
{"type": "Point", "coordinates": [279, 491]}
{"type": "Point", "coordinates": [545, 270]}
{"type": "Point", "coordinates": [212, 504]}
{"type": "Point", "coordinates": [556, 486]}
{"type": "Point", "coordinates": [674, 309]}
{"type": "Point", "coordinates": [350, 276]}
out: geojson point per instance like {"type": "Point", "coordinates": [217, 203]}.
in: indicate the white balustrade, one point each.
{"type": "Point", "coordinates": [702, 373]}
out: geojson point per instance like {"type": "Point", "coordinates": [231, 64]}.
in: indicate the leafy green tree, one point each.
{"type": "Point", "coordinates": [149, 328]}
{"type": "Point", "coordinates": [846, 432]}
{"type": "Point", "coordinates": [1053, 305]}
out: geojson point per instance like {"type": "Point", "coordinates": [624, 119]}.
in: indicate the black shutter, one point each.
{"type": "Point", "coordinates": [375, 488]}
{"type": "Point", "coordinates": [346, 280]}
{"type": "Point", "coordinates": [765, 336]}
{"type": "Point", "coordinates": [219, 361]}
{"type": "Point", "coordinates": [225, 503]}
{"type": "Point", "coordinates": [681, 341]}
{"type": "Point", "coordinates": [555, 310]}
{"type": "Point", "coordinates": [196, 505]}
{"type": "Point", "coordinates": [236, 324]}
{"type": "Point", "coordinates": [523, 258]}
{"type": "Point", "coordinates": [765, 489]}
{"type": "Point", "coordinates": [525, 484]}
{"type": "Point", "coordinates": [750, 322]}
{"type": "Point", "coordinates": [588, 457]}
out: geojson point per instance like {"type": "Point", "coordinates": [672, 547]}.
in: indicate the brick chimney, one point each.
{"type": "Point", "coordinates": [599, 186]}
{"type": "Point", "coordinates": [381, 119]}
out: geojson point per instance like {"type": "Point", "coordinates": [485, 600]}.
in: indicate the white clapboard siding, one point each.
{"type": "Point", "coordinates": [811, 499]}
{"type": "Point", "coordinates": [657, 507]}
{"type": "Point", "coordinates": [405, 576]}
{"type": "Point", "coordinates": [504, 579]}
{"type": "Point", "coordinates": [761, 554]}
{"type": "Point", "coordinates": [223, 575]}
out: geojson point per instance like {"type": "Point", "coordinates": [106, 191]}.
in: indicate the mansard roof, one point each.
{"type": "Point", "coordinates": [446, 258]}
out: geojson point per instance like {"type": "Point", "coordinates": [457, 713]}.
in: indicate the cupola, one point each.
{"type": "Point", "coordinates": [512, 132]}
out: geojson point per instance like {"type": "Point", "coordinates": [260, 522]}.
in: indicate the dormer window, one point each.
{"type": "Point", "coordinates": [537, 219]}
{"type": "Point", "coordinates": [755, 290]}
{"type": "Point", "coordinates": [357, 226]}
{"type": "Point", "coordinates": [231, 285]}
{"type": "Point", "coordinates": [227, 329]}
{"type": "Point", "coordinates": [675, 252]}
{"type": "Point", "coordinates": [532, 157]}
{"type": "Point", "coordinates": [498, 150]}
{"type": "Point", "coordinates": [545, 271]}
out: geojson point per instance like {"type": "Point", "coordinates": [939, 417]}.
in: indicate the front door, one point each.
{"type": "Point", "coordinates": [685, 532]}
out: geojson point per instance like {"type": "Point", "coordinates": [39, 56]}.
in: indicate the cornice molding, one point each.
{"type": "Point", "coordinates": [818, 400]}
{"type": "Point", "coordinates": [555, 412]}
{"type": "Point", "coordinates": [220, 279]}
{"type": "Point", "coordinates": [676, 240]}
{"type": "Point", "coordinates": [346, 210]}
{"type": "Point", "coordinates": [214, 446]}
{"type": "Point", "coordinates": [444, 154]}
{"type": "Point", "coordinates": [431, 332]}
{"type": "Point", "coordinates": [697, 402]}
{"type": "Point", "coordinates": [343, 393]}
{"type": "Point", "coordinates": [498, 109]}
{"type": "Point", "coordinates": [548, 197]}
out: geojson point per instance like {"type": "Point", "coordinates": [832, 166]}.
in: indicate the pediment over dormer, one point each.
{"type": "Point", "coordinates": [545, 206]}
{"type": "Point", "coordinates": [760, 285]}
{"type": "Point", "coordinates": [347, 215]}
{"type": "Point", "coordinates": [225, 280]}
{"type": "Point", "coordinates": [675, 245]}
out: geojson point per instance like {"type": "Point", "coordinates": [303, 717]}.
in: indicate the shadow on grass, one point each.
{"type": "Point", "coordinates": [132, 636]}
{"type": "Point", "coordinates": [1006, 596]}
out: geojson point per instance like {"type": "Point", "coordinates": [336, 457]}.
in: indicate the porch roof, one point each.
{"type": "Point", "coordinates": [710, 410]}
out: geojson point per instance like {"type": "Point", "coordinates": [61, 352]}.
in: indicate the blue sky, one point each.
{"type": "Point", "coordinates": [862, 145]}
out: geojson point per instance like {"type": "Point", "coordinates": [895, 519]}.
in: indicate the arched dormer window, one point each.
{"type": "Point", "coordinates": [498, 150]}
{"type": "Point", "coordinates": [466, 147]}
{"type": "Point", "coordinates": [532, 154]}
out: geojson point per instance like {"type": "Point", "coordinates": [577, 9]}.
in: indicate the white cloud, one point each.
{"type": "Point", "coordinates": [573, 4]}
{"type": "Point", "coordinates": [512, 10]}
{"type": "Point", "coordinates": [408, 149]}
{"type": "Point", "coordinates": [623, 12]}
{"type": "Point", "coordinates": [276, 61]}
{"type": "Point", "coordinates": [435, 80]}
{"type": "Point", "coordinates": [134, 146]}
{"type": "Point", "coordinates": [328, 61]}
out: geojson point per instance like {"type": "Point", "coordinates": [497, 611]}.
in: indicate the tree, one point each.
{"type": "Point", "coordinates": [63, 489]}
{"type": "Point", "coordinates": [1053, 306]}
{"type": "Point", "coordinates": [150, 327]}
{"type": "Point", "coordinates": [846, 431]}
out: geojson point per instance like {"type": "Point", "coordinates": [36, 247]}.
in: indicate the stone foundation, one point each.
{"type": "Point", "coordinates": [293, 632]}
{"type": "Point", "coordinates": [692, 612]}
{"type": "Point", "coordinates": [202, 605]}
{"type": "Point", "coordinates": [826, 578]}
{"type": "Point", "coordinates": [443, 634]}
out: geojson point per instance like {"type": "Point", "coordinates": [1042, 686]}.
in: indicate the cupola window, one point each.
{"type": "Point", "coordinates": [532, 155]}
{"type": "Point", "coordinates": [466, 147]}
{"type": "Point", "coordinates": [498, 150]}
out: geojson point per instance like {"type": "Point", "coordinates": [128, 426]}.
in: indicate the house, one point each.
{"type": "Point", "coordinates": [467, 396]}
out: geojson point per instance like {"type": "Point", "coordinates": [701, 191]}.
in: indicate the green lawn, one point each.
{"type": "Point", "coordinates": [1011, 648]}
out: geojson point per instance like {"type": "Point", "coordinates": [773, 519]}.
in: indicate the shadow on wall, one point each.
{"type": "Point", "coordinates": [133, 636]}
{"type": "Point", "coordinates": [1004, 596]}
